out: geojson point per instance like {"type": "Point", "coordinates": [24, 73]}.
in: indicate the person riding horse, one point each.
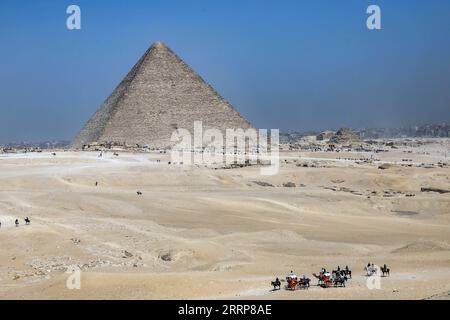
{"type": "Point", "coordinates": [385, 270]}
{"type": "Point", "coordinates": [347, 272]}
{"type": "Point", "coordinates": [339, 279]}
{"type": "Point", "coordinates": [304, 282]}
{"type": "Point", "coordinates": [276, 283]}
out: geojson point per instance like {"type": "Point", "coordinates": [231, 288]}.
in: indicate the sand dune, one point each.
{"type": "Point", "coordinates": [198, 232]}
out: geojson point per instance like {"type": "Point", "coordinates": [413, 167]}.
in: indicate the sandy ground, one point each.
{"type": "Point", "coordinates": [197, 232]}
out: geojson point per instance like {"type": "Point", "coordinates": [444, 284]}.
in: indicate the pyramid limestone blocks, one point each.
{"type": "Point", "coordinates": [160, 94]}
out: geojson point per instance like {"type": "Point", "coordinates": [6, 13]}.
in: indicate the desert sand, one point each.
{"type": "Point", "coordinates": [210, 233]}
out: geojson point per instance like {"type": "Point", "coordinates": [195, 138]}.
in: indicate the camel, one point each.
{"type": "Point", "coordinates": [337, 278]}
{"type": "Point", "coordinates": [324, 281]}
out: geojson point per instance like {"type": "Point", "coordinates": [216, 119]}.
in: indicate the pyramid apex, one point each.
{"type": "Point", "coordinates": [159, 45]}
{"type": "Point", "coordinates": [157, 95]}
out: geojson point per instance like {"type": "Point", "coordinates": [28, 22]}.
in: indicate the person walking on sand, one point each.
{"type": "Point", "coordinates": [17, 222]}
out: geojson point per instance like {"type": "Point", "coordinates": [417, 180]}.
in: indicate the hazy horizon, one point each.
{"type": "Point", "coordinates": [295, 65]}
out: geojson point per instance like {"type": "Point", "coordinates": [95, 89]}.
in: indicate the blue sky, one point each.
{"type": "Point", "coordinates": [302, 65]}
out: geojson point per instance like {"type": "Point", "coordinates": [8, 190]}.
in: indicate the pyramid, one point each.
{"type": "Point", "coordinates": [160, 94]}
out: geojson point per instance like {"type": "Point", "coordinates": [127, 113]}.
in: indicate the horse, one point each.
{"type": "Point", "coordinates": [27, 221]}
{"type": "Point", "coordinates": [340, 281]}
{"type": "Point", "coordinates": [304, 283]}
{"type": "Point", "coordinates": [338, 272]}
{"type": "Point", "coordinates": [385, 271]}
{"type": "Point", "coordinates": [348, 273]}
{"type": "Point", "coordinates": [276, 283]}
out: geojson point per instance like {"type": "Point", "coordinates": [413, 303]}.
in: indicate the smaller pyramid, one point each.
{"type": "Point", "coordinates": [345, 136]}
{"type": "Point", "coordinates": [160, 94]}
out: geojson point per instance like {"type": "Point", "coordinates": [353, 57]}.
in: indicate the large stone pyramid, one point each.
{"type": "Point", "coordinates": [160, 94]}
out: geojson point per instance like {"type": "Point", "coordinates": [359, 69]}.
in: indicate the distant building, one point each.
{"type": "Point", "coordinates": [325, 135]}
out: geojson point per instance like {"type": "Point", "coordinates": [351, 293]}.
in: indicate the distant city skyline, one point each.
{"type": "Point", "coordinates": [292, 65]}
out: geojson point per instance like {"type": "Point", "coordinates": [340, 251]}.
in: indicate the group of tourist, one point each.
{"type": "Point", "coordinates": [293, 276]}
{"type": "Point", "coordinates": [17, 223]}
